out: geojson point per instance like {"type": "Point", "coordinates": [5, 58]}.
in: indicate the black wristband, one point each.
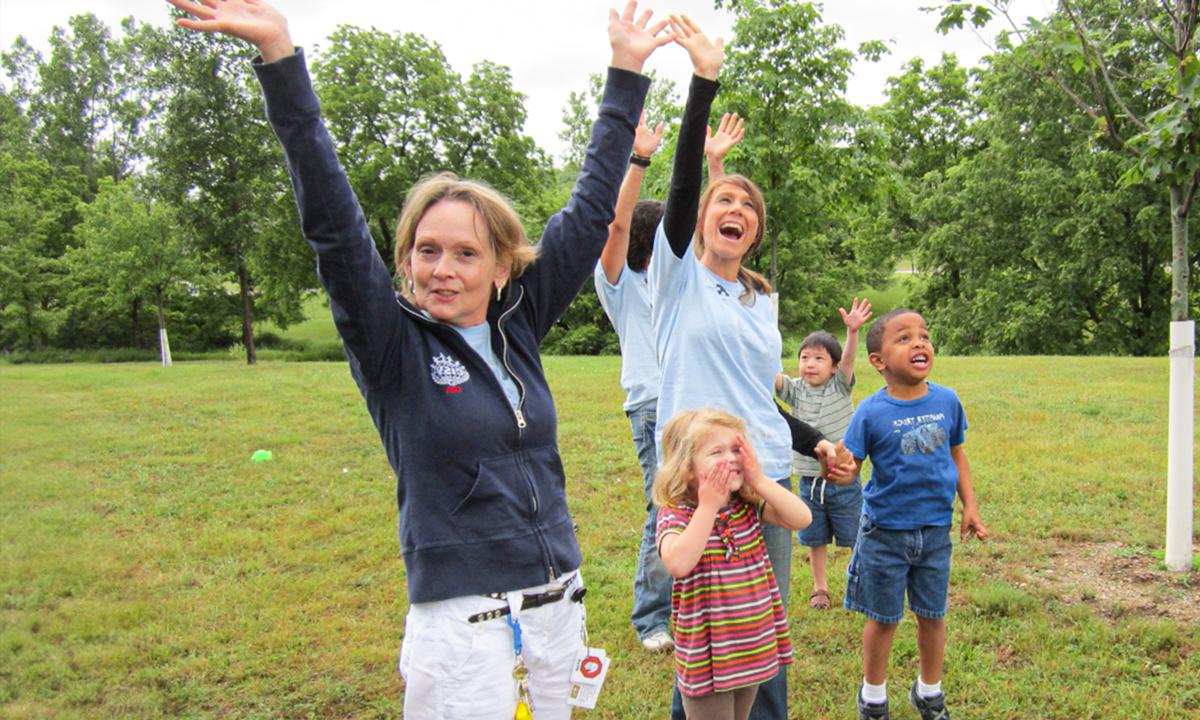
{"type": "Point", "coordinates": [640, 160]}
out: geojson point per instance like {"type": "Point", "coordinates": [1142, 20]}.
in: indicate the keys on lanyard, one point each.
{"type": "Point", "coordinates": [520, 671]}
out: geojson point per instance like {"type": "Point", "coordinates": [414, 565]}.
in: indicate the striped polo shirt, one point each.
{"type": "Point", "coordinates": [730, 627]}
{"type": "Point", "coordinates": [826, 407]}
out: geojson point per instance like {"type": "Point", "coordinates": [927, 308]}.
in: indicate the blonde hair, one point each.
{"type": "Point", "coordinates": [505, 232]}
{"type": "Point", "coordinates": [753, 282]}
{"type": "Point", "coordinates": [680, 438]}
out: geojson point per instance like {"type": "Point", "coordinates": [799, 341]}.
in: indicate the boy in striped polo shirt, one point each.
{"type": "Point", "coordinates": [820, 396]}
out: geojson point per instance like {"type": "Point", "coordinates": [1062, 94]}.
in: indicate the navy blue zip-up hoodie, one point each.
{"type": "Point", "coordinates": [480, 486]}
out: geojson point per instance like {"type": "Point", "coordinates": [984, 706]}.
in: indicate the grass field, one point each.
{"type": "Point", "coordinates": [150, 569]}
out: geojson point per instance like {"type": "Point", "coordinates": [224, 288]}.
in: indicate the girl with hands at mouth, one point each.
{"type": "Point", "coordinates": [731, 630]}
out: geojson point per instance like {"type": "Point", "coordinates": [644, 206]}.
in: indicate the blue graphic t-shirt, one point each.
{"type": "Point", "coordinates": [913, 477]}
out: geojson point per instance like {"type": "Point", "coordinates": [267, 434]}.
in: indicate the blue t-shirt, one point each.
{"type": "Point", "coordinates": [913, 477]}
{"type": "Point", "coordinates": [714, 350]}
{"type": "Point", "coordinates": [627, 304]}
{"type": "Point", "coordinates": [479, 337]}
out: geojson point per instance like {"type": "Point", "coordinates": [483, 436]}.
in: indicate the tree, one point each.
{"type": "Point", "coordinates": [131, 252]}
{"type": "Point", "coordinates": [215, 158]}
{"type": "Point", "coordinates": [36, 218]}
{"type": "Point", "coordinates": [1136, 77]}
{"type": "Point", "coordinates": [79, 100]}
{"type": "Point", "coordinates": [398, 112]}
{"type": "Point", "coordinates": [926, 123]}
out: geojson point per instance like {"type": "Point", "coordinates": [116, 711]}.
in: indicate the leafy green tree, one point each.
{"type": "Point", "coordinates": [36, 218]}
{"type": "Point", "coordinates": [79, 100]}
{"type": "Point", "coordinates": [214, 157]}
{"type": "Point", "coordinates": [926, 123]}
{"type": "Point", "coordinates": [1130, 70]}
{"type": "Point", "coordinates": [398, 112]}
{"type": "Point", "coordinates": [132, 252]}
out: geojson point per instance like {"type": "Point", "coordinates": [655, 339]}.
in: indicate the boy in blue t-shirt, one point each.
{"type": "Point", "coordinates": [913, 432]}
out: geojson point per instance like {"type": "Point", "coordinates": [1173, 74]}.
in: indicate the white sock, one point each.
{"type": "Point", "coordinates": [874, 694]}
{"type": "Point", "coordinates": [928, 691]}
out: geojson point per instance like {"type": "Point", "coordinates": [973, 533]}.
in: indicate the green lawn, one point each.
{"type": "Point", "coordinates": [150, 569]}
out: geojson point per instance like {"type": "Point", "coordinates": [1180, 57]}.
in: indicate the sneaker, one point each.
{"type": "Point", "coordinates": [933, 708]}
{"type": "Point", "coordinates": [658, 641]}
{"type": "Point", "coordinates": [871, 711]}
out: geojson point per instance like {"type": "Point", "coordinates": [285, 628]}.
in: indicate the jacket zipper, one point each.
{"type": "Point", "coordinates": [550, 574]}
{"type": "Point", "coordinates": [521, 392]}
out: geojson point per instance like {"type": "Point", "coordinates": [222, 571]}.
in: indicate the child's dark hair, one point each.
{"type": "Point", "coordinates": [823, 341]}
{"type": "Point", "coordinates": [875, 334]}
{"type": "Point", "coordinates": [647, 214]}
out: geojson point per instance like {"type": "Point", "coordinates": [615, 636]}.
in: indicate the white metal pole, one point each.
{"type": "Point", "coordinates": [1180, 449]}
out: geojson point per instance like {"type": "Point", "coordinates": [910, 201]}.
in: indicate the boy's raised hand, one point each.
{"type": "Point", "coordinates": [645, 140]}
{"type": "Point", "coordinates": [254, 21]}
{"type": "Point", "coordinates": [729, 133]}
{"type": "Point", "coordinates": [706, 54]}
{"type": "Point", "coordinates": [860, 313]}
{"type": "Point", "coordinates": [632, 40]}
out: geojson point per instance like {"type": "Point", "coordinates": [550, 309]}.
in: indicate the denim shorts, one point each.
{"type": "Point", "coordinates": [835, 512]}
{"type": "Point", "coordinates": [887, 563]}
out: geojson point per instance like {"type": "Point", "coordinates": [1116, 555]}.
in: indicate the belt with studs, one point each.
{"type": "Point", "coordinates": [532, 600]}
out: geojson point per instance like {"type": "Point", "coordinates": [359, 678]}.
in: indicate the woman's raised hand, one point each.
{"type": "Point", "coordinates": [251, 20]}
{"type": "Point", "coordinates": [706, 54]}
{"type": "Point", "coordinates": [632, 40]}
{"type": "Point", "coordinates": [645, 140]}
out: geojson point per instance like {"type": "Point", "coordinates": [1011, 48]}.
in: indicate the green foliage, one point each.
{"type": "Point", "coordinates": [36, 218]}
{"type": "Point", "coordinates": [399, 112]}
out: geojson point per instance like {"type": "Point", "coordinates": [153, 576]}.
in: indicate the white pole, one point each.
{"type": "Point", "coordinates": [1180, 450]}
{"type": "Point", "coordinates": [164, 347]}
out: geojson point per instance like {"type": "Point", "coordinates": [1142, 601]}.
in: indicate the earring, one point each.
{"type": "Point", "coordinates": [498, 289]}
{"type": "Point", "coordinates": [412, 289]}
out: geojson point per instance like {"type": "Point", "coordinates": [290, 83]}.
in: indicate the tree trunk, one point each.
{"type": "Point", "coordinates": [1181, 424]}
{"type": "Point", "coordinates": [135, 337]}
{"type": "Point", "coordinates": [1179, 256]}
{"type": "Point", "coordinates": [247, 314]}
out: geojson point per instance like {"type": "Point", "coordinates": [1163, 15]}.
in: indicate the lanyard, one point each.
{"type": "Point", "coordinates": [520, 671]}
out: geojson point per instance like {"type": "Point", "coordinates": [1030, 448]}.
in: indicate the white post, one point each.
{"type": "Point", "coordinates": [164, 347]}
{"type": "Point", "coordinates": [1180, 448]}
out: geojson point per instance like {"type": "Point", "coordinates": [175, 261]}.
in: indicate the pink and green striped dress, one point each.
{"type": "Point", "coordinates": [730, 627]}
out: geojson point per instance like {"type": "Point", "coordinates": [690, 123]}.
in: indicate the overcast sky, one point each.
{"type": "Point", "coordinates": [551, 46]}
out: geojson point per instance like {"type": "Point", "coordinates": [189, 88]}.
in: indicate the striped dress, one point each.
{"type": "Point", "coordinates": [730, 627]}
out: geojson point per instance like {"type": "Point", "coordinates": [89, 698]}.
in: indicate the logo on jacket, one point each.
{"type": "Point", "coordinates": [447, 371]}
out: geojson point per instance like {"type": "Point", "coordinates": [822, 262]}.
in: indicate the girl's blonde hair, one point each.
{"type": "Point", "coordinates": [753, 282]}
{"type": "Point", "coordinates": [504, 229]}
{"type": "Point", "coordinates": [680, 438]}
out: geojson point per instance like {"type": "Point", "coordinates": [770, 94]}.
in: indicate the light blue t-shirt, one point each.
{"type": "Point", "coordinates": [627, 304]}
{"type": "Point", "coordinates": [713, 350]}
{"type": "Point", "coordinates": [913, 477]}
{"type": "Point", "coordinates": [479, 337]}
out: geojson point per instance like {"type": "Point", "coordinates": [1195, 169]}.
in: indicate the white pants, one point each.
{"type": "Point", "coordinates": [459, 670]}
